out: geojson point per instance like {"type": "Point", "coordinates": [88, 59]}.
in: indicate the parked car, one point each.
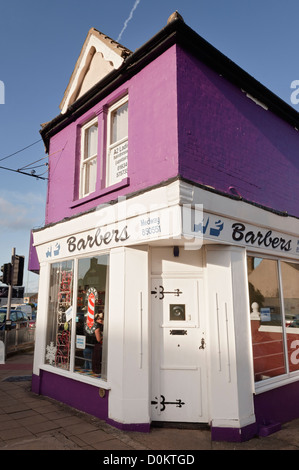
{"type": "Point", "coordinates": [16, 317]}
{"type": "Point", "coordinates": [294, 324]}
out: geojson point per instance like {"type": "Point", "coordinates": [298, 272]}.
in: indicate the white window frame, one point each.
{"type": "Point", "coordinates": [111, 146]}
{"type": "Point", "coordinates": [71, 374]}
{"type": "Point", "coordinates": [84, 162]}
{"type": "Point", "coordinates": [287, 377]}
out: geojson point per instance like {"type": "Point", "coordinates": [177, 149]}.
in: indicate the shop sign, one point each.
{"type": "Point", "coordinates": [171, 222]}
{"type": "Point", "coordinates": [211, 226]}
{"type": "Point", "coordinates": [260, 238]}
{"type": "Point", "coordinates": [119, 163]}
{"type": "Point", "coordinates": [97, 239]}
{"type": "Point", "coordinates": [136, 229]}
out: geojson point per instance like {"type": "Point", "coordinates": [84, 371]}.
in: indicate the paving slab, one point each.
{"type": "Point", "coordinates": [33, 422]}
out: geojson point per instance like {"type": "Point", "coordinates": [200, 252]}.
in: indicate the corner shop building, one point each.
{"type": "Point", "coordinates": [197, 286]}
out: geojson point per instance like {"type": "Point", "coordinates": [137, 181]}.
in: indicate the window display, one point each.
{"type": "Point", "coordinates": [290, 289]}
{"type": "Point", "coordinates": [60, 315]}
{"type": "Point", "coordinates": [88, 344]}
{"type": "Point", "coordinates": [274, 303]}
{"type": "Point", "coordinates": [91, 316]}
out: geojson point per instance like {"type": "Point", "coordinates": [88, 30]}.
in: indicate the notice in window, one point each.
{"type": "Point", "coordinates": [118, 163]}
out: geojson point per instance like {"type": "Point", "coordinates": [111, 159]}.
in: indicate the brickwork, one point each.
{"type": "Point", "coordinates": [226, 139]}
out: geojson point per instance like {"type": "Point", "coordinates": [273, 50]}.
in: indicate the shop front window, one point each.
{"type": "Point", "coordinates": [76, 335]}
{"type": "Point", "coordinates": [290, 288]}
{"type": "Point", "coordinates": [274, 306]}
{"type": "Point", "coordinates": [91, 317]}
{"type": "Point", "coordinates": [59, 322]}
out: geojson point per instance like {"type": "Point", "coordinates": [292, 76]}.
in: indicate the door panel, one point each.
{"type": "Point", "coordinates": [178, 351]}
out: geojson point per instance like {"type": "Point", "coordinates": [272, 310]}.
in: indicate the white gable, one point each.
{"type": "Point", "coordinates": [99, 55]}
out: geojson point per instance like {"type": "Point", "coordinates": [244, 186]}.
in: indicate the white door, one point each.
{"type": "Point", "coordinates": [178, 352]}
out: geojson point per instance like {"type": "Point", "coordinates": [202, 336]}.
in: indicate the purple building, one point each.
{"type": "Point", "coordinates": [169, 261]}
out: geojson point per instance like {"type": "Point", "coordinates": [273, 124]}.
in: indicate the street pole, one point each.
{"type": "Point", "coordinates": [10, 286]}
{"type": "Point", "coordinates": [9, 297]}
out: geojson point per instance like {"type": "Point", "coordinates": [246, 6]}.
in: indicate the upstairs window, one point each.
{"type": "Point", "coordinates": [89, 153]}
{"type": "Point", "coordinates": [117, 139]}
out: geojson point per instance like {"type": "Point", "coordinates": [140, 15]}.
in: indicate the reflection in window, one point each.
{"type": "Point", "coordinates": [267, 331]}
{"type": "Point", "coordinates": [58, 339]}
{"type": "Point", "coordinates": [91, 317]}
{"type": "Point", "coordinates": [274, 302]}
{"type": "Point", "coordinates": [290, 287]}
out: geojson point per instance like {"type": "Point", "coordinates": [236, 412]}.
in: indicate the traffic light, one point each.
{"type": "Point", "coordinates": [18, 269]}
{"type": "Point", "coordinates": [6, 276]}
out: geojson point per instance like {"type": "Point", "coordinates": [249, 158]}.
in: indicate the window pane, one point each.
{"type": "Point", "coordinates": [91, 141]}
{"type": "Point", "coordinates": [266, 318]}
{"type": "Point", "coordinates": [119, 123]}
{"type": "Point", "coordinates": [91, 317]}
{"type": "Point", "coordinates": [90, 176]}
{"type": "Point", "coordinates": [59, 324]}
{"type": "Point", "coordinates": [88, 169]}
{"type": "Point", "coordinates": [290, 288]}
{"type": "Point", "coordinates": [13, 316]}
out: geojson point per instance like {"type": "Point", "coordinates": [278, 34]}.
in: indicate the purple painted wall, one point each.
{"type": "Point", "coordinates": [225, 139]}
{"type": "Point", "coordinates": [152, 141]}
{"type": "Point", "coordinates": [178, 106]}
{"type": "Point", "coordinates": [33, 263]}
{"type": "Point", "coordinates": [79, 395]}
{"type": "Point", "coordinates": [266, 409]}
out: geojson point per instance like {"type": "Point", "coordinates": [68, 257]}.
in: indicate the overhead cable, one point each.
{"type": "Point", "coordinates": [21, 150]}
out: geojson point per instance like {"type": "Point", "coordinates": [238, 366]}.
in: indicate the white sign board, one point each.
{"type": "Point", "coordinates": [118, 162]}
{"type": "Point", "coordinates": [80, 342]}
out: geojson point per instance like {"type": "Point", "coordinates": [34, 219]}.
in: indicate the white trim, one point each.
{"type": "Point", "coordinates": [92, 42]}
{"type": "Point", "coordinates": [169, 198]}
{"type": "Point", "coordinates": [109, 145]}
{"type": "Point", "coordinates": [286, 377]}
{"type": "Point", "coordinates": [85, 161]}
{"type": "Point", "coordinates": [56, 370]}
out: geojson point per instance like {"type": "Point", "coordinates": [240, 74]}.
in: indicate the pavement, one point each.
{"type": "Point", "coordinates": [34, 422]}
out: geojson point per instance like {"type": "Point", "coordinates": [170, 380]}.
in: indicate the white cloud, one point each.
{"type": "Point", "coordinates": [21, 211]}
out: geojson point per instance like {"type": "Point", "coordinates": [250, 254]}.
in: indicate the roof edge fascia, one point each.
{"type": "Point", "coordinates": [176, 32]}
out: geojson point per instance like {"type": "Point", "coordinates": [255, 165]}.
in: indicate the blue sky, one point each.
{"type": "Point", "coordinates": [40, 42]}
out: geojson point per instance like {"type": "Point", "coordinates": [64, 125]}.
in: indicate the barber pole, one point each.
{"type": "Point", "coordinates": [91, 300]}
{"type": "Point", "coordinates": [90, 314]}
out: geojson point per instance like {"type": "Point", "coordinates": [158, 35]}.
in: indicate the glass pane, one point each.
{"type": "Point", "coordinates": [13, 316]}
{"type": "Point", "coordinates": [119, 123]}
{"type": "Point", "coordinates": [91, 317]}
{"type": "Point", "coordinates": [177, 312]}
{"type": "Point", "coordinates": [266, 318]}
{"type": "Point", "coordinates": [91, 141]}
{"type": "Point", "coordinates": [90, 169]}
{"type": "Point", "coordinates": [58, 338]}
{"type": "Point", "coordinates": [290, 289]}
